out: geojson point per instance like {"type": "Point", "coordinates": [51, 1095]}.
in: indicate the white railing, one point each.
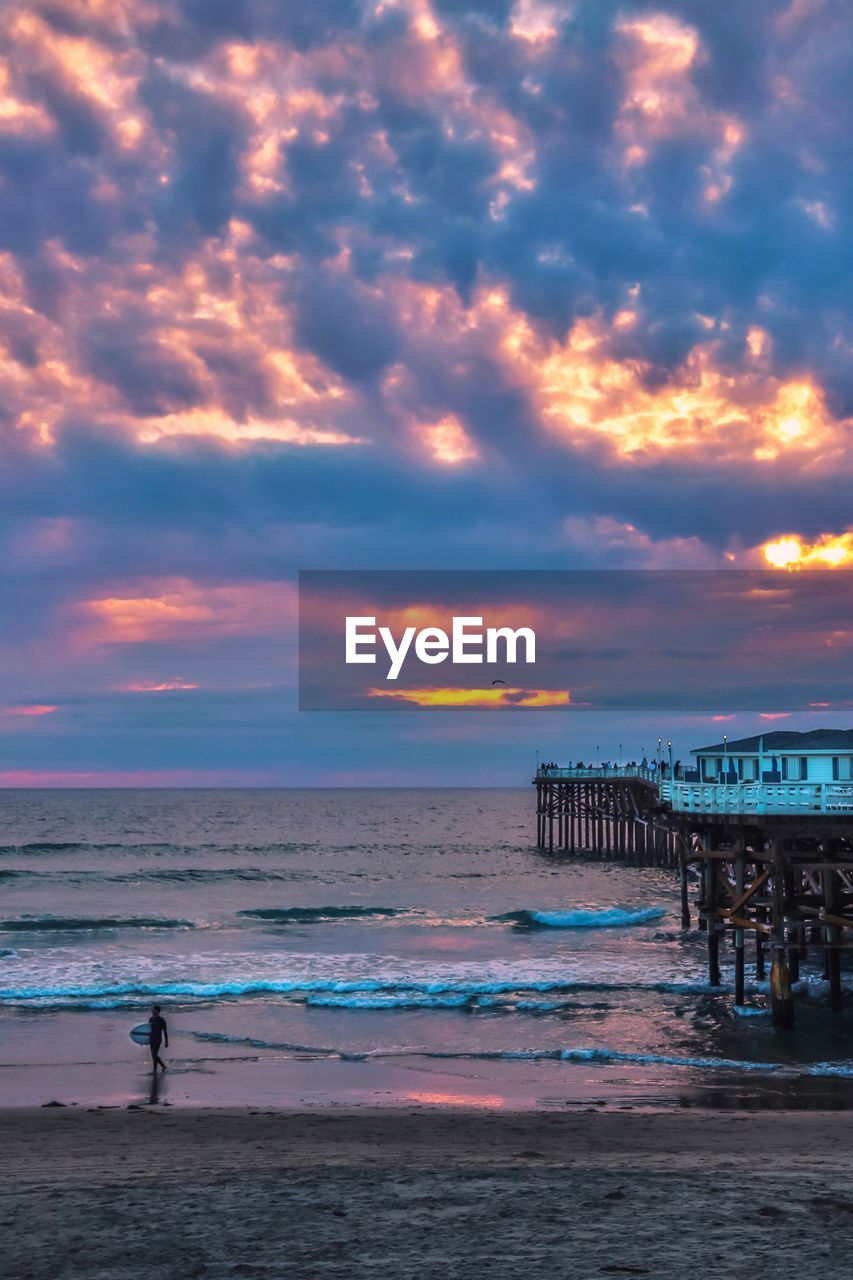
{"type": "Point", "coordinates": [598, 771]}
{"type": "Point", "coordinates": [809, 798]}
{"type": "Point", "coordinates": [759, 797]}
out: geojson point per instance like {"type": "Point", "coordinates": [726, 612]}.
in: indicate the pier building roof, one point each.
{"type": "Point", "coordinates": [815, 740]}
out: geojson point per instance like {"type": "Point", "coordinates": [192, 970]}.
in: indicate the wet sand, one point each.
{"type": "Point", "coordinates": [117, 1193]}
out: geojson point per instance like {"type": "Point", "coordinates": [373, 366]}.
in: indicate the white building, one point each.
{"type": "Point", "coordinates": [823, 755]}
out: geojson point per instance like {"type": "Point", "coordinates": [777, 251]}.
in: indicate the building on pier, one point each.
{"type": "Point", "coordinates": [824, 755]}
{"type": "Point", "coordinates": [766, 822]}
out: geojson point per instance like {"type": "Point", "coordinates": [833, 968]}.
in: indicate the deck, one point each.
{"type": "Point", "coordinates": [716, 799]}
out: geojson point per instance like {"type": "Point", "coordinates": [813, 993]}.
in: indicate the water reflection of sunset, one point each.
{"type": "Point", "coordinates": [482, 1101]}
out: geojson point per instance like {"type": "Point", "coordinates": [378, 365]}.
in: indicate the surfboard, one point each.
{"type": "Point", "coordinates": [141, 1034]}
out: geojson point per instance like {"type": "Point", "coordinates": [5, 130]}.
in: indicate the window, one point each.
{"type": "Point", "coordinates": [795, 768]}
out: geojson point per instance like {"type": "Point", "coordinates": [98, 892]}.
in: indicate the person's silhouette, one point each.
{"type": "Point", "coordinates": [159, 1034]}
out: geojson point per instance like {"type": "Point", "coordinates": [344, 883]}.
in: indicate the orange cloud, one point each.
{"type": "Point", "coordinates": [829, 551]}
{"type": "Point", "coordinates": [448, 441]}
{"type": "Point", "coordinates": [497, 697]}
{"type": "Point", "coordinates": [587, 392]}
{"type": "Point", "coordinates": [658, 55]}
{"type": "Point", "coordinates": [181, 608]}
{"type": "Point", "coordinates": [105, 75]}
{"type": "Point", "coordinates": [583, 392]}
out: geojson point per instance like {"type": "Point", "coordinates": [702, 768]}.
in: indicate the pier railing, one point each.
{"type": "Point", "coordinates": [758, 797]}
{"type": "Point", "coordinates": [546, 772]}
{"type": "Point", "coordinates": [816, 798]}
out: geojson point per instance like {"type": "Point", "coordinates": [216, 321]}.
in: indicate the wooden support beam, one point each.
{"type": "Point", "coordinates": [781, 998]}
{"type": "Point", "coordinates": [744, 922]}
{"type": "Point", "coordinates": [826, 917]}
{"type": "Point", "coordinates": [833, 938]}
{"type": "Point", "coordinates": [740, 937]}
{"type": "Point", "coordinates": [682, 877]}
{"type": "Point", "coordinates": [711, 875]}
{"type": "Point", "coordinates": [744, 897]}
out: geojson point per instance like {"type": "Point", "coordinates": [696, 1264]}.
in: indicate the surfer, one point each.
{"type": "Point", "coordinates": [159, 1033]}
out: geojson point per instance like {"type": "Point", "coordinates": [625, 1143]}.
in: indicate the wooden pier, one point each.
{"type": "Point", "coordinates": [781, 877]}
{"type": "Point", "coordinates": [617, 813]}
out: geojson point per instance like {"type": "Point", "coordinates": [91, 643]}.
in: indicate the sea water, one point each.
{"type": "Point", "coordinates": [366, 946]}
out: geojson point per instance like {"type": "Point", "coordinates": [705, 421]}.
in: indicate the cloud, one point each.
{"type": "Point", "coordinates": [491, 698]}
{"type": "Point", "coordinates": [483, 282]}
{"type": "Point", "coordinates": [171, 685]}
{"type": "Point", "coordinates": [33, 709]}
{"type": "Point", "coordinates": [178, 609]}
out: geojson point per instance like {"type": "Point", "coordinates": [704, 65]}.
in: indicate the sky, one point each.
{"type": "Point", "coordinates": [496, 284]}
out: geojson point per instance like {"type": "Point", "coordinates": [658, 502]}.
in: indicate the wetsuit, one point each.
{"type": "Point", "coordinates": [158, 1031]}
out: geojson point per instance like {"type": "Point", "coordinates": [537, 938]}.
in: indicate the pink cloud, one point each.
{"type": "Point", "coordinates": [179, 608]}
{"type": "Point", "coordinates": [136, 778]}
{"type": "Point", "coordinates": [155, 686]}
{"type": "Point", "coordinates": [31, 709]}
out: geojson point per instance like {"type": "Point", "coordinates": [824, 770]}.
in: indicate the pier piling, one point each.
{"type": "Point", "coordinates": [786, 877]}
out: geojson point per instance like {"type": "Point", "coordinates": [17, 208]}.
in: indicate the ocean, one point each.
{"type": "Point", "coordinates": [367, 947]}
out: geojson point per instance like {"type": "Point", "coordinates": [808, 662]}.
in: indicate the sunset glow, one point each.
{"type": "Point", "coordinates": [829, 551]}
{"type": "Point", "coordinates": [492, 698]}
{"type": "Point", "coordinates": [401, 284]}
{"type": "Point", "coordinates": [34, 710]}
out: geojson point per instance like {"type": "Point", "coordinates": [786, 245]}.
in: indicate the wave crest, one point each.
{"type": "Point", "coordinates": [608, 918]}
{"type": "Point", "coordinates": [316, 915]}
{"type": "Point", "coordinates": [73, 924]}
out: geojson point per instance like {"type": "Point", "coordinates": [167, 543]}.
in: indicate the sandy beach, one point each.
{"type": "Point", "coordinates": [117, 1193]}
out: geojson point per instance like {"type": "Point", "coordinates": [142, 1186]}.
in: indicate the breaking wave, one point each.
{"type": "Point", "coordinates": [605, 1055]}
{"type": "Point", "coordinates": [355, 990]}
{"type": "Point", "coordinates": [574, 1055]}
{"type": "Point", "coordinates": [252, 1042]}
{"type": "Point", "coordinates": [69, 924]}
{"type": "Point", "coordinates": [609, 918]}
{"type": "Point", "coordinates": [316, 915]}
{"type": "Point", "coordinates": [392, 1000]}
{"type": "Point", "coordinates": [45, 846]}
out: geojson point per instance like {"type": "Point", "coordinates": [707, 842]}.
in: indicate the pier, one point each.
{"type": "Point", "coordinates": [770, 857]}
